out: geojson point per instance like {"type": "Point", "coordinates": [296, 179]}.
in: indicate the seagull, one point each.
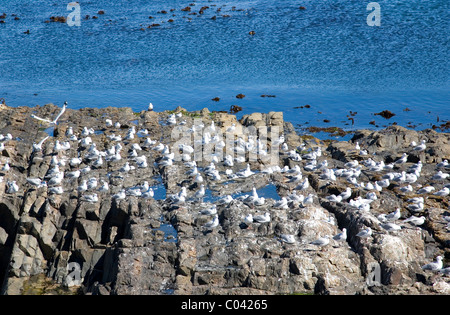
{"type": "Point", "coordinates": [134, 191]}
{"type": "Point", "coordinates": [346, 194]}
{"type": "Point", "coordinates": [321, 241]}
{"type": "Point", "coordinates": [421, 147]}
{"type": "Point", "coordinates": [74, 162]}
{"type": "Point", "coordinates": [90, 198]}
{"type": "Point", "coordinates": [248, 219]}
{"type": "Point", "coordinates": [228, 161]}
{"type": "Point", "coordinates": [281, 204]}
{"type": "Point", "coordinates": [352, 164]}
{"type": "Point", "coordinates": [415, 220]}
{"type": "Point", "coordinates": [303, 185]}
{"type": "Point", "coordinates": [334, 198]}
{"type": "Point", "coordinates": [288, 238]}
{"type": "Point", "coordinates": [406, 189]}
{"type": "Point", "coordinates": [416, 200]}
{"type": "Point", "coordinates": [98, 163]}
{"type": "Point", "coordinates": [416, 207]}
{"type": "Point", "coordinates": [56, 180]}
{"type": "Point", "coordinates": [383, 183]}
{"type": "Point", "coordinates": [262, 218]}
{"type": "Point", "coordinates": [104, 187]}
{"type": "Point", "coordinates": [38, 147]}
{"type": "Point", "coordinates": [434, 266]}
{"type": "Point", "coordinates": [440, 176]}
{"type": "Point", "coordinates": [58, 190]}
{"type": "Point", "coordinates": [425, 190]}
{"type": "Point", "coordinates": [366, 233]}
{"type": "Point", "coordinates": [341, 237]}
{"type": "Point", "coordinates": [442, 164]}
{"type": "Point", "coordinates": [120, 195]}
{"type": "Point", "coordinates": [55, 121]}
{"type": "Point", "coordinates": [150, 107]}
{"type": "Point", "coordinates": [141, 161]}
{"type": "Point", "coordinates": [126, 168]}
{"type": "Point", "coordinates": [74, 174]}
{"type": "Point", "coordinates": [402, 160]}
{"type": "Point", "coordinates": [393, 216]}
{"type": "Point", "coordinates": [92, 183]}
{"type": "Point", "coordinates": [391, 227]}
{"type": "Point", "coordinates": [12, 187]}
{"type": "Point", "coordinates": [443, 192]}
{"type": "Point", "coordinates": [209, 211]}
{"type": "Point", "coordinates": [200, 193]}
{"type": "Point", "coordinates": [245, 173]}
{"type": "Point", "coordinates": [225, 200]}
{"type": "Point", "coordinates": [6, 167]}
{"type": "Point", "coordinates": [36, 182]}
{"type": "Point", "coordinates": [309, 200]}
{"type": "Point", "coordinates": [212, 224]}
{"type": "Point", "coordinates": [148, 194]}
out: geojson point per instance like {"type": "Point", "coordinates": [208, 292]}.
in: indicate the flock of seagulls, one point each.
{"type": "Point", "coordinates": [77, 169]}
{"type": "Point", "coordinates": [65, 170]}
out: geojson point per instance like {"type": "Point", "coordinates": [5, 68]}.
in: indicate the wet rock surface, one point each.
{"type": "Point", "coordinates": [124, 216]}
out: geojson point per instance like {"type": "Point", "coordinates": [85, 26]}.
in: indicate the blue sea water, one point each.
{"type": "Point", "coordinates": [325, 56]}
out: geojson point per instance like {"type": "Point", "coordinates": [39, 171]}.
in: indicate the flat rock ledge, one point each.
{"type": "Point", "coordinates": [163, 245]}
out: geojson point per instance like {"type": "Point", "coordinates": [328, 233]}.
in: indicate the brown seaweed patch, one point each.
{"type": "Point", "coordinates": [386, 114]}
{"type": "Point", "coordinates": [333, 131]}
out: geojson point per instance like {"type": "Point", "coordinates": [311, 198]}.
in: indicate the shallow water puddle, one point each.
{"type": "Point", "coordinates": [50, 131]}
{"type": "Point", "coordinates": [159, 189]}
{"type": "Point", "coordinates": [170, 233]}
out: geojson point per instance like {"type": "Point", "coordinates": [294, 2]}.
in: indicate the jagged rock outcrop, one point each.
{"type": "Point", "coordinates": [157, 239]}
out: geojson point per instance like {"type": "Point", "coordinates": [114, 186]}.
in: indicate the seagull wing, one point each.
{"type": "Point", "coordinates": [42, 141]}
{"type": "Point", "coordinates": [60, 114]}
{"type": "Point", "coordinates": [39, 118]}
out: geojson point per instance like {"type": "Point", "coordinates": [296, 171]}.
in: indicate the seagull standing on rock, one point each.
{"type": "Point", "coordinates": [262, 218]}
{"type": "Point", "coordinates": [288, 238]}
{"type": "Point", "coordinates": [212, 224]}
{"type": "Point", "coordinates": [366, 233]}
{"type": "Point", "coordinates": [321, 241]}
{"type": "Point", "coordinates": [434, 266]}
{"type": "Point", "coordinates": [341, 237]}
{"type": "Point", "coordinates": [416, 221]}
{"type": "Point", "coordinates": [421, 147]}
{"type": "Point", "coordinates": [402, 159]}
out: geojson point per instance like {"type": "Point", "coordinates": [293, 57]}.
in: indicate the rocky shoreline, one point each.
{"type": "Point", "coordinates": [150, 230]}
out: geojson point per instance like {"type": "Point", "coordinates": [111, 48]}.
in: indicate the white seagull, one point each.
{"type": "Point", "coordinates": [212, 224]}
{"type": "Point", "coordinates": [341, 237]}
{"type": "Point", "coordinates": [434, 266]}
{"type": "Point", "coordinates": [288, 238]}
{"type": "Point", "coordinates": [262, 218]}
{"type": "Point", "coordinates": [321, 241]}
{"type": "Point", "coordinates": [421, 147]}
{"type": "Point", "coordinates": [366, 233]}
{"type": "Point", "coordinates": [415, 220]}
